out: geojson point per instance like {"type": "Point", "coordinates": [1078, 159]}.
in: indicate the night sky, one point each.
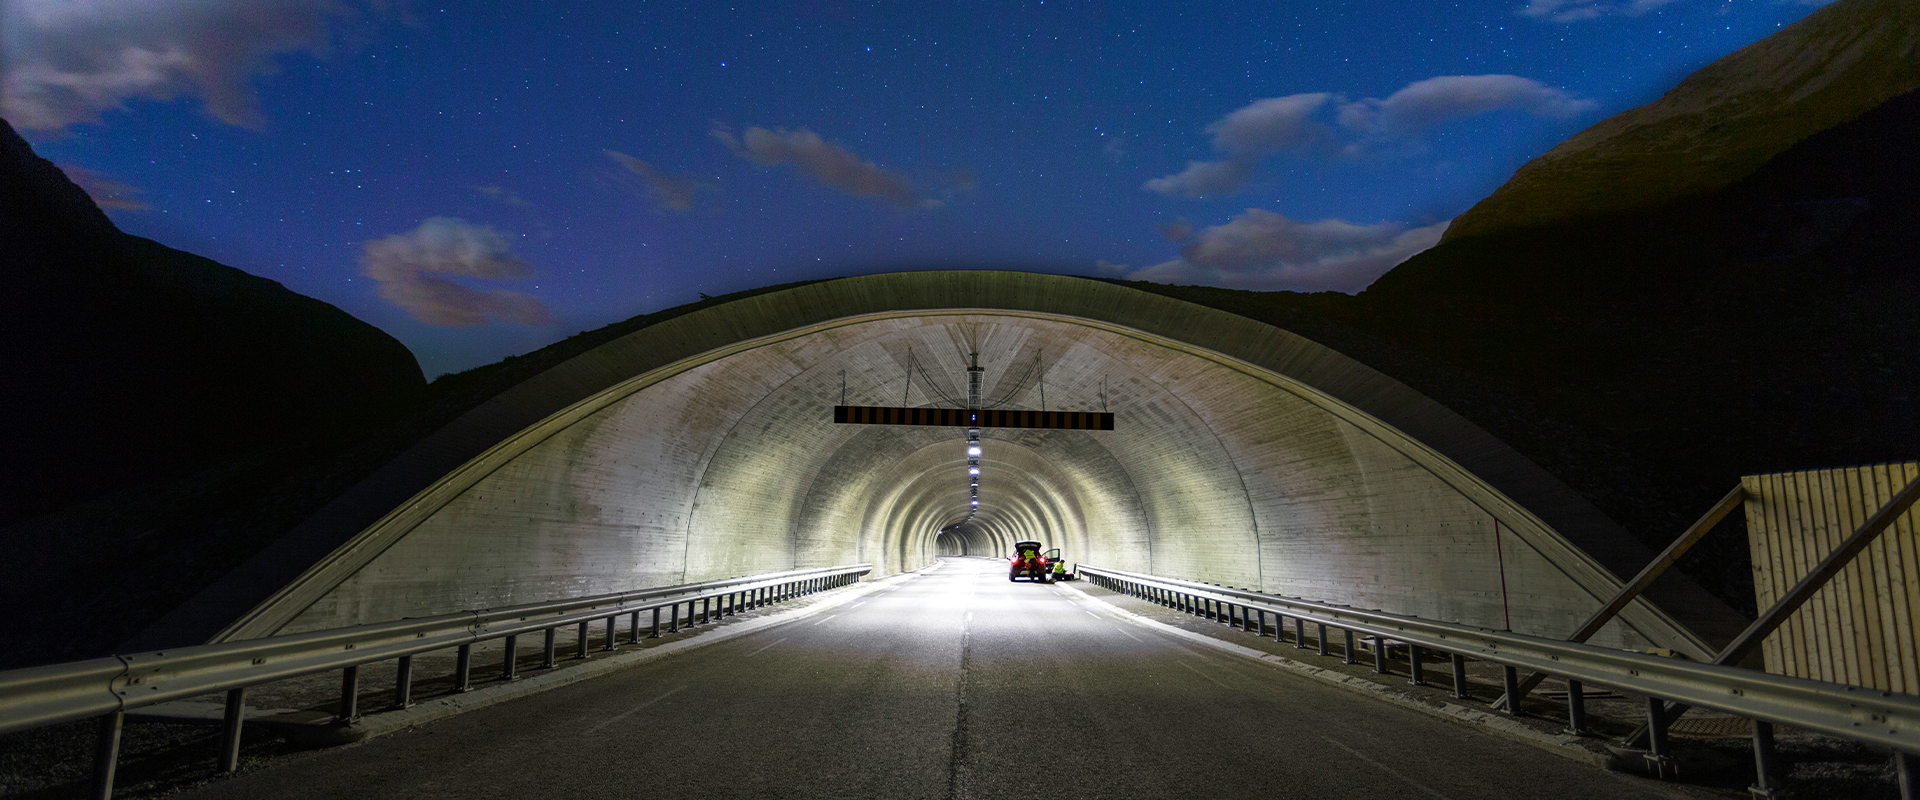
{"type": "Point", "coordinates": [482, 179]}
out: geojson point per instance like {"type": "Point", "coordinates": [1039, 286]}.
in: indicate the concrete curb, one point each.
{"type": "Point", "coordinates": [1584, 750]}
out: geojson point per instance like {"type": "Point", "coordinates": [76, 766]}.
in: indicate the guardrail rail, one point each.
{"type": "Point", "coordinates": [107, 688]}
{"type": "Point", "coordinates": [1887, 719]}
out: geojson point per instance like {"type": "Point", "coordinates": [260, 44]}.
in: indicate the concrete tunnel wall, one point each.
{"type": "Point", "coordinates": [1223, 468]}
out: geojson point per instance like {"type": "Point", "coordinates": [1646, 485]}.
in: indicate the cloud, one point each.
{"type": "Point", "coordinates": [105, 191]}
{"type": "Point", "coordinates": [827, 163]}
{"type": "Point", "coordinates": [1328, 125]}
{"type": "Point", "coordinates": [1260, 249]}
{"type": "Point", "coordinates": [1576, 10]}
{"type": "Point", "coordinates": [66, 62]}
{"type": "Point", "coordinates": [671, 192]}
{"type": "Point", "coordinates": [1428, 103]}
{"type": "Point", "coordinates": [409, 267]}
{"type": "Point", "coordinates": [503, 195]}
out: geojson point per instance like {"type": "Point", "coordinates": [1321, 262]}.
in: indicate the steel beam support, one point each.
{"type": "Point", "coordinates": [1319, 642]}
{"type": "Point", "coordinates": [1906, 774]}
{"type": "Point", "coordinates": [349, 694]}
{"type": "Point", "coordinates": [1300, 636]}
{"type": "Point", "coordinates": [546, 657]}
{"type": "Point", "coordinates": [613, 643]}
{"type": "Point", "coordinates": [1576, 709]}
{"type": "Point", "coordinates": [633, 629]}
{"type": "Point", "coordinates": [510, 660]}
{"type": "Point", "coordinates": [656, 623]}
{"type": "Point", "coordinates": [1348, 654]}
{"type": "Point", "coordinates": [1379, 654]}
{"type": "Point", "coordinates": [463, 669]}
{"type": "Point", "coordinates": [235, 719]}
{"type": "Point", "coordinates": [1416, 674]}
{"type": "Point", "coordinates": [580, 640]}
{"type": "Point", "coordinates": [403, 682]}
{"type": "Point", "coordinates": [1659, 754]}
{"type": "Point", "coordinates": [1766, 768]}
{"type": "Point", "coordinates": [1510, 685]}
{"type": "Point", "coordinates": [673, 620]}
{"type": "Point", "coordinates": [1262, 632]}
{"type": "Point", "coordinates": [1459, 676]}
{"type": "Point", "coordinates": [106, 753]}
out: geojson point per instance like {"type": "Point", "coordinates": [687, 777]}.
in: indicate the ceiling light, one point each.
{"type": "Point", "coordinates": [973, 450]}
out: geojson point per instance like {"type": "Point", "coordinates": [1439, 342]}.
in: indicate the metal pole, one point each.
{"type": "Point", "coordinates": [633, 629]}
{"type": "Point", "coordinates": [106, 753]}
{"type": "Point", "coordinates": [546, 656]}
{"type": "Point", "coordinates": [1510, 682]}
{"type": "Point", "coordinates": [1459, 676]}
{"type": "Point", "coordinates": [403, 682]}
{"type": "Point", "coordinates": [1379, 654]}
{"type": "Point", "coordinates": [1300, 635]}
{"type": "Point", "coordinates": [1349, 650]}
{"type": "Point", "coordinates": [510, 662]}
{"type": "Point", "coordinates": [1766, 768]}
{"type": "Point", "coordinates": [349, 693]}
{"type": "Point", "coordinates": [1659, 758]}
{"type": "Point", "coordinates": [1576, 709]}
{"type": "Point", "coordinates": [706, 609]}
{"type": "Point", "coordinates": [673, 620]}
{"type": "Point", "coordinates": [230, 735]}
{"type": "Point", "coordinates": [580, 637]}
{"type": "Point", "coordinates": [463, 669]}
{"type": "Point", "coordinates": [1415, 675]}
{"type": "Point", "coordinates": [1262, 632]}
{"type": "Point", "coordinates": [613, 622]}
{"type": "Point", "coordinates": [1320, 642]}
{"type": "Point", "coordinates": [1906, 774]}
{"type": "Point", "coordinates": [656, 623]}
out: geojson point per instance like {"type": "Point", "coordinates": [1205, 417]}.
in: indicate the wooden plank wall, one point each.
{"type": "Point", "coordinates": [1861, 628]}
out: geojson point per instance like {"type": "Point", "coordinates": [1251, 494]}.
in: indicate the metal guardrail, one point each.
{"type": "Point", "coordinates": [108, 687]}
{"type": "Point", "coordinates": [1888, 719]}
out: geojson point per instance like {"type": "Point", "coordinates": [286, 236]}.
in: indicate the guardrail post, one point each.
{"type": "Point", "coordinates": [656, 623]}
{"type": "Point", "coordinates": [633, 629]}
{"type": "Point", "coordinates": [546, 656]}
{"type": "Point", "coordinates": [1379, 655]}
{"type": "Point", "coordinates": [706, 609]}
{"type": "Point", "coordinates": [1510, 683]}
{"type": "Point", "coordinates": [1416, 674]}
{"type": "Point", "coordinates": [1906, 774]}
{"type": "Point", "coordinates": [403, 682]}
{"type": "Point", "coordinates": [1577, 709]}
{"type": "Point", "coordinates": [1659, 756]}
{"type": "Point", "coordinates": [510, 663]}
{"type": "Point", "coordinates": [230, 734]}
{"type": "Point", "coordinates": [673, 620]}
{"type": "Point", "coordinates": [463, 669]}
{"type": "Point", "coordinates": [1767, 785]}
{"type": "Point", "coordinates": [1300, 636]}
{"type": "Point", "coordinates": [613, 622]}
{"type": "Point", "coordinates": [349, 693]}
{"type": "Point", "coordinates": [1262, 632]}
{"type": "Point", "coordinates": [1320, 642]}
{"type": "Point", "coordinates": [1459, 676]}
{"type": "Point", "coordinates": [580, 638]}
{"type": "Point", "coordinates": [106, 753]}
{"type": "Point", "coordinates": [1348, 653]}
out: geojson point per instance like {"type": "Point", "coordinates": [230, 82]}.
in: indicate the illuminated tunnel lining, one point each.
{"type": "Point", "coordinates": [703, 448]}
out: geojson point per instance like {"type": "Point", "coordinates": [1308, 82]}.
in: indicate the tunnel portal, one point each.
{"type": "Point", "coordinates": [704, 447]}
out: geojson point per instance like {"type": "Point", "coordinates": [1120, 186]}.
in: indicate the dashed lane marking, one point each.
{"type": "Point", "coordinates": [1386, 769]}
{"type": "Point", "coordinates": [636, 709]}
{"type": "Point", "coordinates": [765, 646]}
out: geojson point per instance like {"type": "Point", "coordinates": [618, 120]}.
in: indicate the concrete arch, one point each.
{"type": "Point", "coordinates": [700, 448]}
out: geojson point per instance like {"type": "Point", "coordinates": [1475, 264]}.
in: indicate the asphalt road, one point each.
{"type": "Point", "coordinates": [953, 684]}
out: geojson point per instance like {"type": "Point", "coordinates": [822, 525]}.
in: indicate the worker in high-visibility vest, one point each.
{"type": "Point", "coordinates": [1060, 570]}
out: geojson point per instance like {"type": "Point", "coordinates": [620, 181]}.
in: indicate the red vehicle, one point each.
{"type": "Point", "coordinates": [1029, 563]}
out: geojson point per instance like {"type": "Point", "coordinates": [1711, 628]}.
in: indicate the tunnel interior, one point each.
{"type": "Point", "coordinates": [728, 463]}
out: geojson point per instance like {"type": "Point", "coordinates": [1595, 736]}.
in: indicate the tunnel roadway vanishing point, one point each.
{"type": "Point", "coordinates": [702, 447]}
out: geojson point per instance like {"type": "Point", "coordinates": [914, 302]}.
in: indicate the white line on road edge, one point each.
{"type": "Point", "coordinates": [1500, 725]}
{"type": "Point", "coordinates": [635, 710]}
{"type": "Point", "coordinates": [828, 619]}
{"type": "Point", "coordinates": [770, 644]}
{"type": "Point", "coordinates": [1386, 769]}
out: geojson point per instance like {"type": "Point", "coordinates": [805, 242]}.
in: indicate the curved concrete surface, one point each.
{"type": "Point", "coordinates": [703, 448]}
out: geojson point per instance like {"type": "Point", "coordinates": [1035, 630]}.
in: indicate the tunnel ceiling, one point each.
{"type": "Point", "coordinates": [703, 448]}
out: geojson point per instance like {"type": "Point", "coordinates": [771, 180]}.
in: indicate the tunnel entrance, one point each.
{"type": "Point", "coordinates": [704, 447]}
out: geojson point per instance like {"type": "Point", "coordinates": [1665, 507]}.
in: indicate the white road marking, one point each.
{"type": "Point", "coordinates": [767, 645]}
{"type": "Point", "coordinates": [857, 605]}
{"type": "Point", "coordinates": [1123, 632]}
{"type": "Point", "coordinates": [1091, 614]}
{"type": "Point", "coordinates": [828, 619]}
{"type": "Point", "coordinates": [1203, 674]}
{"type": "Point", "coordinates": [969, 616]}
{"type": "Point", "coordinates": [636, 709]}
{"type": "Point", "coordinates": [1386, 769]}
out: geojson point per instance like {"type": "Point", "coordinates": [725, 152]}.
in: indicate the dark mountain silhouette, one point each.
{"type": "Point", "coordinates": [1720, 123]}
{"type": "Point", "coordinates": [156, 401]}
{"type": "Point", "coordinates": [127, 359]}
